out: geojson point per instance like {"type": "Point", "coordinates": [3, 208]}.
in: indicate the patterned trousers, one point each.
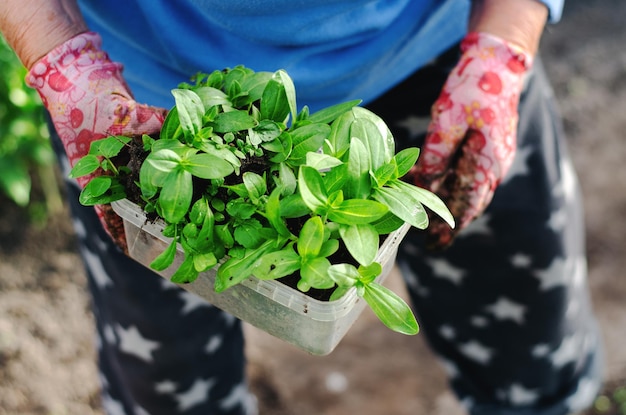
{"type": "Point", "coordinates": [506, 308]}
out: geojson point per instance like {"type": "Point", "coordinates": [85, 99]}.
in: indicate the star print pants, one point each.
{"type": "Point", "coordinates": [506, 307]}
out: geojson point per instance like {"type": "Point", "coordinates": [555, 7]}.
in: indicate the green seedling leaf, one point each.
{"type": "Point", "coordinates": [85, 166]}
{"type": "Point", "coordinates": [186, 273]}
{"type": "Point", "coordinates": [312, 189]}
{"type": "Point", "coordinates": [235, 270]}
{"type": "Point", "coordinates": [369, 272]}
{"type": "Point", "coordinates": [171, 129]}
{"type": "Point", "coordinates": [321, 161]}
{"type": "Point", "coordinates": [277, 264]}
{"type": "Point", "coordinates": [233, 121]}
{"type": "Point", "coordinates": [114, 193]}
{"type": "Point", "coordinates": [204, 261]}
{"type": "Point", "coordinates": [361, 241]}
{"type": "Point", "coordinates": [293, 206]}
{"type": "Point", "coordinates": [165, 258]}
{"type": "Point", "coordinates": [344, 275]}
{"type": "Point", "coordinates": [211, 97]}
{"type": "Point", "coordinates": [207, 166]}
{"type": "Point", "coordinates": [387, 224]}
{"type": "Point", "coordinates": [255, 185]}
{"type": "Point", "coordinates": [274, 102]}
{"type": "Point", "coordinates": [311, 238]}
{"type": "Point", "coordinates": [427, 198]}
{"type": "Point", "coordinates": [286, 179]}
{"type": "Point", "coordinates": [387, 137]}
{"type": "Point", "coordinates": [175, 196]}
{"type": "Point", "coordinates": [330, 114]}
{"type": "Point", "coordinates": [164, 160]}
{"type": "Point", "coordinates": [339, 138]}
{"type": "Point", "coordinates": [359, 167]}
{"type": "Point", "coordinates": [357, 211]}
{"type": "Point", "coordinates": [307, 138]}
{"type": "Point", "coordinates": [384, 173]}
{"type": "Point", "coordinates": [390, 309]}
{"type": "Point", "coordinates": [265, 132]}
{"type": "Point", "coordinates": [247, 233]}
{"type": "Point", "coordinates": [108, 147]}
{"type": "Point", "coordinates": [370, 136]}
{"type": "Point", "coordinates": [273, 214]}
{"type": "Point", "coordinates": [240, 209]}
{"type": "Point", "coordinates": [98, 186]}
{"type": "Point", "coordinates": [403, 206]}
{"type": "Point", "coordinates": [290, 92]}
{"type": "Point", "coordinates": [190, 111]}
{"type": "Point", "coordinates": [336, 179]}
{"type": "Point", "coordinates": [253, 86]}
{"type": "Point", "coordinates": [406, 159]}
{"type": "Point", "coordinates": [329, 247]}
{"type": "Point", "coordinates": [314, 274]}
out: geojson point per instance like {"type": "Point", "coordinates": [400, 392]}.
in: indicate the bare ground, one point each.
{"type": "Point", "coordinates": [47, 359]}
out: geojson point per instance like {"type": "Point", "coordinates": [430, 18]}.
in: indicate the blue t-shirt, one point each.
{"type": "Point", "coordinates": [335, 50]}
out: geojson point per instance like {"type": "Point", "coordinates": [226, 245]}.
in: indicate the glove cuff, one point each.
{"type": "Point", "coordinates": [480, 43]}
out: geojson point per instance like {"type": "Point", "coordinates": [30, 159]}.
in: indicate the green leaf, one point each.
{"type": "Point", "coordinates": [370, 272]}
{"type": "Point", "coordinates": [108, 147]}
{"type": "Point", "coordinates": [190, 111]}
{"type": "Point", "coordinates": [265, 132]}
{"type": "Point", "coordinates": [387, 224]}
{"type": "Point", "coordinates": [274, 102]}
{"type": "Point", "coordinates": [86, 165]}
{"type": "Point", "coordinates": [384, 173]}
{"type": "Point", "coordinates": [406, 159]}
{"type": "Point", "coordinates": [336, 178]}
{"type": "Point", "coordinates": [171, 129]}
{"type": "Point", "coordinates": [204, 261]}
{"type": "Point", "coordinates": [290, 92]}
{"type": "Point", "coordinates": [339, 138]}
{"type": "Point", "coordinates": [311, 238]}
{"type": "Point", "coordinates": [387, 137]}
{"type": "Point", "coordinates": [273, 214]}
{"type": "Point", "coordinates": [320, 161]}
{"type": "Point", "coordinates": [186, 273]}
{"type": "Point", "coordinates": [165, 258]}
{"type": "Point", "coordinates": [357, 211]}
{"type": "Point", "coordinates": [247, 233]}
{"type": "Point", "coordinates": [175, 196]}
{"type": "Point", "coordinates": [329, 114]}
{"type": "Point", "coordinates": [98, 185]}
{"type": "Point", "coordinates": [370, 136]}
{"type": "Point", "coordinates": [255, 185]}
{"type": "Point", "coordinates": [207, 166]}
{"type": "Point", "coordinates": [403, 206]}
{"type": "Point", "coordinates": [344, 275]}
{"type": "Point", "coordinates": [314, 274]}
{"type": "Point", "coordinates": [293, 206]}
{"type": "Point", "coordinates": [358, 171]}
{"type": "Point", "coordinates": [113, 193]}
{"type": "Point", "coordinates": [277, 264]}
{"type": "Point", "coordinates": [164, 160]}
{"type": "Point", "coordinates": [361, 241]}
{"type": "Point", "coordinates": [307, 138]}
{"type": "Point", "coordinates": [427, 198]}
{"type": "Point", "coordinates": [235, 270]}
{"type": "Point", "coordinates": [312, 190]}
{"type": "Point", "coordinates": [253, 86]}
{"type": "Point", "coordinates": [233, 121]}
{"type": "Point", "coordinates": [211, 97]}
{"type": "Point", "coordinates": [392, 310]}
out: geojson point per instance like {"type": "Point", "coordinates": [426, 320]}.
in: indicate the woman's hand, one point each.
{"type": "Point", "coordinates": [87, 99]}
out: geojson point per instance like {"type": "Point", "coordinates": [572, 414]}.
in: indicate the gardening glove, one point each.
{"type": "Point", "coordinates": [471, 139]}
{"type": "Point", "coordinates": [88, 99]}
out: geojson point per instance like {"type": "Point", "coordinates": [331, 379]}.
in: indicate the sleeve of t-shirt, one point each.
{"type": "Point", "coordinates": [555, 7]}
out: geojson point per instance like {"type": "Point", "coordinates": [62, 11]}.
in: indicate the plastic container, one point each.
{"type": "Point", "coordinates": [312, 325]}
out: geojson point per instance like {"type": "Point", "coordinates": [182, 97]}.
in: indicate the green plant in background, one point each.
{"type": "Point", "coordinates": [243, 180]}
{"type": "Point", "coordinates": [25, 151]}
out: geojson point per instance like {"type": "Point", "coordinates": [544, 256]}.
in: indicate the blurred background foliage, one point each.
{"type": "Point", "coordinates": [28, 176]}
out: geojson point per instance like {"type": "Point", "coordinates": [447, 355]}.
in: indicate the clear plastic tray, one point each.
{"type": "Point", "coordinates": [312, 325]}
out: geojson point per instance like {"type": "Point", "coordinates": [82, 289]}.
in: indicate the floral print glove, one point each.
{"type": "Point", "coordinates": [471, 139]}
{"type": "Point", "coordinates": [88, 99]}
